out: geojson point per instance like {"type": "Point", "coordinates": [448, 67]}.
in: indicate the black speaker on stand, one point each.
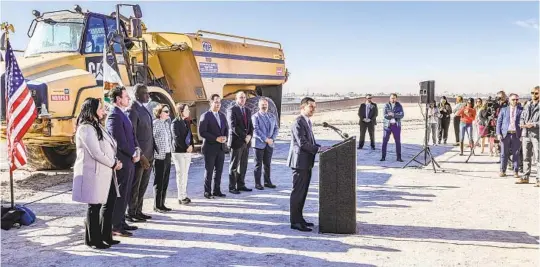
{"type": "Point", "coordinates": [427, 92]}
{"type": "Point", "coordinates": [427, 95]}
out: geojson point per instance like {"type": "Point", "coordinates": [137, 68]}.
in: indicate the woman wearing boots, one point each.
{"type": "Point", "coordinates": [162, 167]}
{"type": "Point", "coordinates": [467, 115]}
{"type": "Point", "coordinates": [93, 180]}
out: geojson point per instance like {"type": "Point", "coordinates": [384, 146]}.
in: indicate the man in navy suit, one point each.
{"type": "Point", "coordinates": [509, 133]}
{"type": "Point", "coordinates": [240, 133]}
{"type": "Point", "coordinates": [301, 159]}
{"type": "Point", "coordinates": [119, 126]}
{"type": "Point", "coordinates": [141, 120]}
{"type": "Point", "coordinates": [214, 130]}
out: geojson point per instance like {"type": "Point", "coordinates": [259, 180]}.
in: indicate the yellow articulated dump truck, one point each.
{"type": "Point", "coordinates": [63, 60]}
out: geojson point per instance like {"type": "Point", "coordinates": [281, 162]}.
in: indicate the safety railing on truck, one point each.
{"type": "Point", "coordinates": [245, 39]}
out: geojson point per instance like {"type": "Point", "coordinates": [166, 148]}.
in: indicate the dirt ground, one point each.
{"type": "Point", "coordinates": [464, 216]}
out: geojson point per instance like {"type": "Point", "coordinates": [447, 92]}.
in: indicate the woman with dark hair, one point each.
{"type": "Point", "coordinates": [93, 180]}
{"type": "Point", "coordinates": [182, 149]}
{"type": "Point", "coordinates": [162, 166]}
{"type": "Point", "coordinates": [445, 110]}
{"type": "Point", "coordinates": [467, 115]}
{"type": "Point", "coordinates": [457, 118]}
{"type": "Point", "coordinates": [477, 107]}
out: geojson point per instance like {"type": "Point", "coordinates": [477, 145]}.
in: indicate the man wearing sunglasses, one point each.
{"type": "Point", "coordinates": [530, 133]}
{"type": "Point", "coordinates": [509, 133]}
{"type": "Point", "coordinates": [368, 119]}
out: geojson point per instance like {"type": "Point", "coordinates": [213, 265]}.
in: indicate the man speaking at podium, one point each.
{"type": "Point", "coordinates": [301, 159]}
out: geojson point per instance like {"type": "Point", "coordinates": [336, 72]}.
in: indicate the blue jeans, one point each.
{"type": "Point", "coordinates": [465, 127]}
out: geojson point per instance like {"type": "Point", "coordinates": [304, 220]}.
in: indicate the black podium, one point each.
{"type": "Point", "coordinates": [337, 188]}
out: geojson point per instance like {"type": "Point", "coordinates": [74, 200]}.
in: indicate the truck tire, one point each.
{"type": "Point", "coordinates": [51, 158]}
{"type": "Point", "coordinates": [252, 104]}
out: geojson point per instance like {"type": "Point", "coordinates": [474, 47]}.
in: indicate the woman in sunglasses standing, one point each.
{"type": "Point", "coordinates": [162, 166]}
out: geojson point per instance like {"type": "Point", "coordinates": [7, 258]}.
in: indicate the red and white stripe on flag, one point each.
{"type": "Point", "coordinates": [21, 110]}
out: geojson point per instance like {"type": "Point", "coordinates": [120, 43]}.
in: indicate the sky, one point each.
{"type": "Point", "coordinates": [362, 47]}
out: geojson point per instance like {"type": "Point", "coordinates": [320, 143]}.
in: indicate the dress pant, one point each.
{"type": "Point", "coordinates": [99, 220]}
{"type": "Point", "coordinates": [140, 184]}
{"type": "Point", "coordinates": [394, 130]}
{"type": "Point", "coordinates": [457, 122]}
{"type": "Point", "coordinates": [263, 159]}
{"type": "Point", "coordinates": [530, 149]}
{"type": "Point", "coordinates": [125, 176]}
{"type": "Point", "coordinates": [213, 165]}
{"type": "Point", "coordinates": [162, 171]}
{"type": "Point", "coordinates": [510, 142]}
{"type": "Point", "coordinates": [370, 127]}
{"type": "Point", "coordinates": [444, 124]}
{"type": "Point", "coordinates": [238, 167]}
{"type": "Point", "coordinates": [181, 167]}
{"type": "Point", "coordinates": [301, 180]}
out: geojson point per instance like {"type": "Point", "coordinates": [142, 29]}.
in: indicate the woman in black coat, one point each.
{"type": "Point", "coordinates": [182, 149]}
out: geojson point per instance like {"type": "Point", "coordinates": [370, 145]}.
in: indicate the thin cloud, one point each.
{"type": "Point", "coordinates": [530, 23]}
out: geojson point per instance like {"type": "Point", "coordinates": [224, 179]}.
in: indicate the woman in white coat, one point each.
{"type": "Point", "coordinates": [93, 181]}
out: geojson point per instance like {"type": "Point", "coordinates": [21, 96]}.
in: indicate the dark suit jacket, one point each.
{"type": "Point", "coordinates": [209, 130]}
{"type": "Point", "coordinates": [373, 113]}
{"type": "Point", "coordinates": [238, 130]}
{"type": "Point", "coordinates": [119, 126]}
{"type": "Point", "coordinates": [180, 130]}
{"type": "Point", "coordinates": [142, 120]}
{"type": "Point", "coordinates": [303, 148]}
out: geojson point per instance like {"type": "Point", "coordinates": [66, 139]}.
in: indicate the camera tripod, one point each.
{"type": "Point", "coordinates": [426, 149]}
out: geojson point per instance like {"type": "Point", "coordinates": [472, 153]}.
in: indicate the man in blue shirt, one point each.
{"type": "Point", "coordinates": [264, 135]}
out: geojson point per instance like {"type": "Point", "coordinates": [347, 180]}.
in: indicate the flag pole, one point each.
{"type": "Point", "coordinates": [11, 188]}
{"type": "Point", "coordinates": [6, 28]}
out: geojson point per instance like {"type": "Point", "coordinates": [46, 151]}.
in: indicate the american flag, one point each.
{"type": "Point", "coordinates": [21, 110]}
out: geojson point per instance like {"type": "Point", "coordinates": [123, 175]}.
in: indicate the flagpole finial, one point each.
{"type": "Point", "coordinates": [6, 27]}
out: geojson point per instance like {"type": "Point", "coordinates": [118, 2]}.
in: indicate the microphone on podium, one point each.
{"type": "Point", "coordinates": [338, 131]}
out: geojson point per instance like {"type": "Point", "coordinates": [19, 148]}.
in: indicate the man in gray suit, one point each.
{"type": "Point", "coordinates": [141, 120]}
{"type": "Point", "coordinates": [301, 159]}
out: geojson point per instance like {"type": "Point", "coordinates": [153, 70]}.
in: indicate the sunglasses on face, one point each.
{"type": "Point", "coordinates": [534, 93]}
{"type": "Point", "coordinates": [515, 99]}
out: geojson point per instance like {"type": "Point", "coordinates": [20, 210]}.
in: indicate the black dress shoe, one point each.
{"type": "Point", "coordinates": [259, 187]}
{"type": "Point", "coordinates": [122, 232]}
{"type": "Point", "coordinates": [219, 194]}
{"type": "Point", "coordinates": [309, 224]}
{"type": "Point", "coordinates": [111, 242]}
{"type": "Point", "coordinates": [159, 210]}
{"type": "Point", "coordinates": [372, 148]}
{"type": "Point", "coordinates": [400, 160]}
{"type": "Point", "coordinates": [134, 218]}
{"type": "Point", "coordinates": [99, 245]}
{"type": "Point", "coordinates": [208, 195]}
{"type": "Point", "coordinates": [234, 191]}
{"type": "Point", "coordinates": [245, 189]}
{"type": "Point", "coordinates": [359, 147]}
{"type": "Point", "coordinates": [130, 228]}
{"type": "Point", "coordinates": [270, 185]}
{"type": "Point", "coordinates": [300, 227]}
{"type": "Point", "coordinates": [144, 216]}
{"type": "Point", "coordinates": [166, 208]}
{"type": "Point", "coordinates": [382, 159]}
